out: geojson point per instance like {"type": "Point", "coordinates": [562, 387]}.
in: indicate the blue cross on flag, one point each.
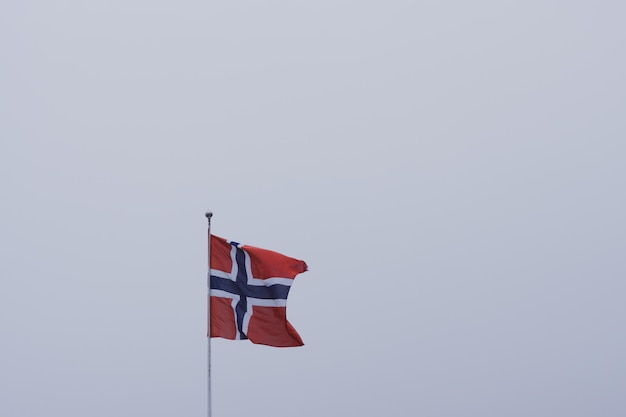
{"type": "Point", "coordinates": [248, 293]}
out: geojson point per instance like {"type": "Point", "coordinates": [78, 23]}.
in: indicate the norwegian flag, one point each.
{"type": "Point", "coordinates": [248, 290]}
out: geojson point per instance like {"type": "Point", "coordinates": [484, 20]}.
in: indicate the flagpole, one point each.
{"type": "Point", "coordinates": [208, 215]}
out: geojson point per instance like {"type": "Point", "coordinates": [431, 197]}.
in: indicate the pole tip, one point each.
{"type": "Point", "coordinates": [208, 214]}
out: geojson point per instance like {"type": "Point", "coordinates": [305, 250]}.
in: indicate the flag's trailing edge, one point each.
{"type": "Point", "coordinates": [249, 288]}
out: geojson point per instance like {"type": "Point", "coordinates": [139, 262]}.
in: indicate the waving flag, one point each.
{"type": "Point", "coordinates": [248, 290]}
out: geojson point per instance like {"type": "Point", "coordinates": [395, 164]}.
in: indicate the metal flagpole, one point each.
{"type": "Point", "coordinates": [208, 216]}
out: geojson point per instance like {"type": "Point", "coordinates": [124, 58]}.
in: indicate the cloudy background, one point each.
{"type": "Point", "coordinates": [452, 172]}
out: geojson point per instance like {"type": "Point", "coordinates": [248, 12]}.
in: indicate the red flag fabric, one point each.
{"type": "Point", "coordinates": [248, 290]}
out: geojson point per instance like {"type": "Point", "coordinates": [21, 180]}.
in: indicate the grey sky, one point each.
{"type": "Point", "coordinates": [452, 172]}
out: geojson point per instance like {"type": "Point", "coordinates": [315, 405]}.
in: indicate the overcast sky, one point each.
{"type": "Point", "coordinates": [452, 172]}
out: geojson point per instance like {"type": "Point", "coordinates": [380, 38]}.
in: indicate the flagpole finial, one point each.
{"type": "Point", "coordinates": [208, 214]}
